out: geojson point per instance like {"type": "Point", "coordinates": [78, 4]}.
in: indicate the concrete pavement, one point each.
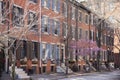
{"type": "Point", "coordinates": [5, 76]}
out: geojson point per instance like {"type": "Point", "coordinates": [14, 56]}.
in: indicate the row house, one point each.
{"type": "Point", "coordinates": [44, 34]}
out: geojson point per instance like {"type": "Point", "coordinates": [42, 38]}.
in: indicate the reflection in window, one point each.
{"type": "Point", "coordinates": [56, 5]}
{"type": "Point", "coordinates": [32, 21]}
{"type": "Point", "coordinates": [56, 27]}
{"type": "Point", "coordinates": [46, 22]}
{"type": "Point", "coordinates": [46, 3]}
{"type": "Point", "coordinates": [17, 16]}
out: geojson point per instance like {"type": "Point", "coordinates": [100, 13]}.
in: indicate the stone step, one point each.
{"type": "Point", "coordinates": [63, 68]}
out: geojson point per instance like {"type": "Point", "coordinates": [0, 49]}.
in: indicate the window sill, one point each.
{"type": "Point", "coordinates": [55, 35]}
{"type": "Point", "coordinates": [46, 33]}
{"type": "Point", "coordinates": [73, 38]}
{"type": "Point", "coordinates": [32, 2]}
{"type": "Point", "coordinates": [45, 7]}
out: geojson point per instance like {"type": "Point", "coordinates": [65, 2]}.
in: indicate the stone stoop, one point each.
{"type": "Point", "coordinates": [62, 69]}
{"type": "Point", "coordinates": [20, 74]}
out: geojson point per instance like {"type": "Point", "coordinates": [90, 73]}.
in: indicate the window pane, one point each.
{"type": "Point", "coordinates": [32, 21]}
{"type": "Point", "coordinates": [17, 16]}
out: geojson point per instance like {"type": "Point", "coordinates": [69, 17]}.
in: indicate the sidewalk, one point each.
{"type": "Point", "coordinates": [57, 76]}
{"type": "Point", "coordinates": [5, 76]}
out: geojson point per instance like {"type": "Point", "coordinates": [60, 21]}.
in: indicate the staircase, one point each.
{"type": "Point", "coordinates": [92, 68]}
{"type": "Point", "coordinates": [62, 69]}
{"type": "Point", "coordinates": [19, 73]}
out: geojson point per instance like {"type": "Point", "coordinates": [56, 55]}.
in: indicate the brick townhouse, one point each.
{"type": "Point", "coordinates": [44, 34]}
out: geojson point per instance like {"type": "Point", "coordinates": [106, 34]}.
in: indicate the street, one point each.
{"type": "Point", "coordinates": [114, 75]}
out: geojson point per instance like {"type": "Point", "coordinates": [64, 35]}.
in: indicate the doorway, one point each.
{"type": "Point", "coordinates": [2, 60]}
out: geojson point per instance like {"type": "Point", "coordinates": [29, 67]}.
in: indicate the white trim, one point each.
{"type": "Point", "coordinates": [34, 12]}
{"type": "Point", "coordinates": [17, 5]}
{"type": "Point", "coordinates": [32, 2]}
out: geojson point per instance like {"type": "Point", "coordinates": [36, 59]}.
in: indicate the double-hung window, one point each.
{"type": "Point", "coordinates": [46, 3]}
{"type": "Point", "coordinates": [46, 22]}
{"type": "Point", "coordinates": [43, 51]}
{"type": "Point", "coordinates": [17, 16]}
{"type": "Point", "coordinates": [73, 13]}
{"type": "Point", "coordinates": [34, 50]}
{"type": "Point", "coordinates": [73, 32]}
{"type": "Point", "coordinates": [55, 27]}
{"type": "Point", "coordinates": [3, 10]}
{"type": "Point", "coordinates": [80, 33]}
{"type": "Point", "coordinates": [86, 35]}
{"type": "Point", "coordinates": [56, 5]}
{"type": "Point", "coordinates": [32, 21]}
{"type": "Point", "coordinates": [64, 30]}
{"type": "Point", "coordinates": [86, 19]}
{"type": "Point", "coordinates": [64, 9]}
{"type": "Point", "coordinates": [80, 16]}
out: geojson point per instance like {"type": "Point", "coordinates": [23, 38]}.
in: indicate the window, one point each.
{"type": "Point", "coordinates": [73, 13]}
{"type": "Point", "coordinates": [73, 32]}
{"type": "Point", "coordinates": [56, 5]}
{"type": "Point", "coordinates": [91, 19]}
{"type": "Point", "coordinates": [17, 16]}
{"type": "Point", "coordinates": [23, 49]}
{"type": "Point", "coordinates": [64, 9]}
{"type": "Point", "coordinates": [43, 50]}
{"type": "Point", "coordinates": [46, 23]}
{"type": "Point", "coordinates": [34, 50]}
{"type": "Point", "coordinates": [53, 51]}
{"type": "Point", "coordinates": [57, 54]}
{"type": "Point", "coordinates": [35, 1]}
{"type": "Point", "coordinates": [32, 21]}
{"type": "Point", "coordinates": [87, 19]}
{"type": "Point", "coordinates": [80, 33]}
{"type": "Point", "coordinates": [56, 27]}
{"type": "Point", "coordinates": [86, 35]}
{"type": "Point", "coordinates": [92, 35]}
{"type": "Point", "coordinates": [46, 3]}
{"type": "Point", "coordinates": [3, 9]}
{"type": "Point", "coordinates": [80, 16]}
{"type": "Point", "coordinates": [64, 30]}
{"type": "Point", "coordinates": [1, 12]}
